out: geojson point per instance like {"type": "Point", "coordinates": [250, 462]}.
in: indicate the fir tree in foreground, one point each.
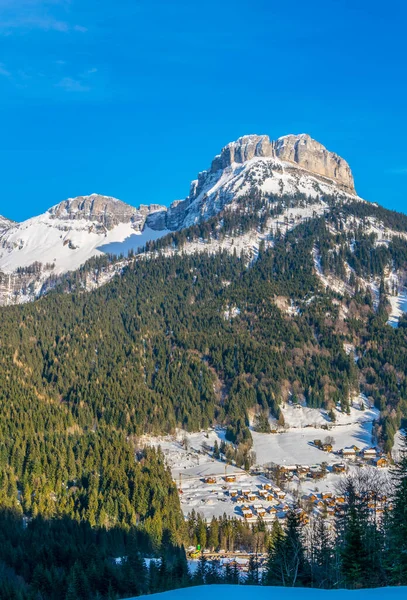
{"type": "Point", "coordinates": [397, 532]}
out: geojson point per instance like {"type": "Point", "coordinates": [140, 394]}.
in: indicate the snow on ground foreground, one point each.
{"type": "Point", "coordinates": [242, 592]}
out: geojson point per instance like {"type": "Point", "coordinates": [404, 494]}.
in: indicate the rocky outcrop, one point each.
{"type": "Point", "coordinates": [5, 223]}
{"type": "Point", "coordinates": [96, 208]}
{"type": "Point", "coordinates": [103, 209]}
{"type": "Point", "coordinates": [313, 156]}
{"type": "Point", "coordinates": [299, 149]}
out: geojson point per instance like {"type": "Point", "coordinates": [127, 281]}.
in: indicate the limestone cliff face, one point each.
{"type": "Point", "coordinates": [313, 156]}
{"type": "Point", "coordinates": [5, 223]}
{"type": "Point", "coordinates": [105, 210]}
{"type": "Point", "coordinates": [102, 209]}
{"type": "Point", "coordinates": [299, 149]}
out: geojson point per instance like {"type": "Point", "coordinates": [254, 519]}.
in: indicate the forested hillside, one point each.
{"type": "Point", "coordinates": [188, 341]}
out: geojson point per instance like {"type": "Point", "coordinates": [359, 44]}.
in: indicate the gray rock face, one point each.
{"type": "Point", "coordinates": [102, 209]}
{"type": "Point", "coordinates": [300, 149]}
{"type": "Point", "coordinates": [313, 156]}
{"type": "Point", "coordinates": [5, 223]}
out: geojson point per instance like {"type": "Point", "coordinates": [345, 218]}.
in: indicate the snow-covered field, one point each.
{"type": "Point", "coordinates": [398, 307]}
{"type": "Point", "coordinates": [218, 592]}
{"type": "Point", "coordinates": [189, 456]}
{"type": "Point", "coordinates": [191, 463]}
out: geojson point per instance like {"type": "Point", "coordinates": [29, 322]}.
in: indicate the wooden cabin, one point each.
{"type": "Point", "coordinates": [369, 453]}
{"type": "Point", "coordinates": [210, 479]}
{"type": "Point", "coordinates": [230, 478]}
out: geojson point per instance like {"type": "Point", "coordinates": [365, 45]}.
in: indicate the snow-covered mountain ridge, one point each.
{"type": "Point", "coordinates": [295, 169]}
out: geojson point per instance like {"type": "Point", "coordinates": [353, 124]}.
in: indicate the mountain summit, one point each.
{"type": "Point", "coordinates": [76, 229]}
{"type": "Point", "coordinates": [290, 165]}
{"type": "Point", "coordinates": [301, 150]}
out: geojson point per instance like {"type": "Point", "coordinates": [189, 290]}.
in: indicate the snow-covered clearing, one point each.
{"type": "Point", "coordinates": [398, 307]}
{"type": "Point", "coordinates": [218, 592]}
{"type": "Point", "coordinates": [191, 463]}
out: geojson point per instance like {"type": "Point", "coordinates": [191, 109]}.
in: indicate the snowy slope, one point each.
{"type": "Point", "coordinates": [218, 592]}
{"type": "Point", "coordinates": [5, 223]}
{"type": "Point", "coordinates": [66, 245]}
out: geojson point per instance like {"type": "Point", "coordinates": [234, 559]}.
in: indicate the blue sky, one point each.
{"type": "Point", "coordinates": [133, 98]}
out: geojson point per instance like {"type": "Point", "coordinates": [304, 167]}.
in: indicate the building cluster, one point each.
{"type": "Point", "coordinates": [329, 505]}
{"type": "Point", "coordinates": [371, 456]}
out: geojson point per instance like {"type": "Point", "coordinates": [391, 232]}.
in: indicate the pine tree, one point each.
{"type": "Point", "coordinates": [253, 571]}
{"type": "Point", "coordinates": [286, 565]}
{"type": "Point", "coordinates": [397, 533]}
{"type": "Point", "coordinates": [353, 552]}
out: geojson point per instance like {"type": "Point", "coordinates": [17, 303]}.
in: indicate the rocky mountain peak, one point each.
{"type": "Point", "coordinates": [5, 223]}
{"type": "Point", "coordinates": [96, 208]}
{"type": "Point", "coordinates": [301, 149]}
{"type": "Point", "coordinates": [313, 156]}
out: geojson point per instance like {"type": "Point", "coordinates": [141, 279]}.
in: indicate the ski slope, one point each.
{"type": "Point", "coordinates": [243, 592]}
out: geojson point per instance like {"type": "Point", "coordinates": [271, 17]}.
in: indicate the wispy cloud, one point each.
{"type": "Point", "coordinates": [3, 71]}
{"type": "Point", "coordinates": [44, 15]}
{"type": "Point", "coordinates": [69, 84]}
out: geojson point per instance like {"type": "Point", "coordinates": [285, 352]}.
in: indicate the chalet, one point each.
{"type": "Point", "coordinates": [288, 468]}
{"type": "Point", "coordinates": [315, 472]}
{"type": "Point", "coordinates": [261, 511]}
{"type": "Point", "coordinates": [302, 515]}
{"type": "Point", "coordinates": [239, 499]}
{"type": "Point", "coordinates": [233, 493]}
{"type": "Point", "coordinates": [251, 496]}
{"type": "Point", "coordinates": [381, 462]}
{"type": "Point", "coordinates": [319, 504]}
{"type": "Point", "coordinates": [272, 510]}
{"type": "Point", "coordinates": [230, 478]}
{"type": "Point", "coordinates": [369, 453]}
{"type": "Point", "coordinates": [326, 495]}
{"type": "Point", "coordinates": [348, 452]}
{"type": "Point", "coordinates": [263, 493]}
{"type": "Point", "coordinates": [270, 497]}
{"type": "Point", "coordinates": [245, 492]}
{"type": "Point", "coordinates": [318, 443]}
{"type": "Point", "coordinates": [266, 486]}
{"type": "Point", "coordinates": [210, 479]}
{"type": "Point", "coordinates": [330, 512]}
{"type": "Point", "coordinates": [340, 499]}
{"type": "Point", "coordinates": [247, 513]}
{"type": "Point", "coordinates": [311, 497]}
{"type": "Point", "coordinates": [327, 447]}
{"type": "Point", "coordinates": [338, 468]}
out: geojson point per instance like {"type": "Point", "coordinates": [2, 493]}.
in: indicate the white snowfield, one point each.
{"type": "Point", "coordinates": [67, 244]}
{"type": "Point", "coordinates": [243, 592]}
